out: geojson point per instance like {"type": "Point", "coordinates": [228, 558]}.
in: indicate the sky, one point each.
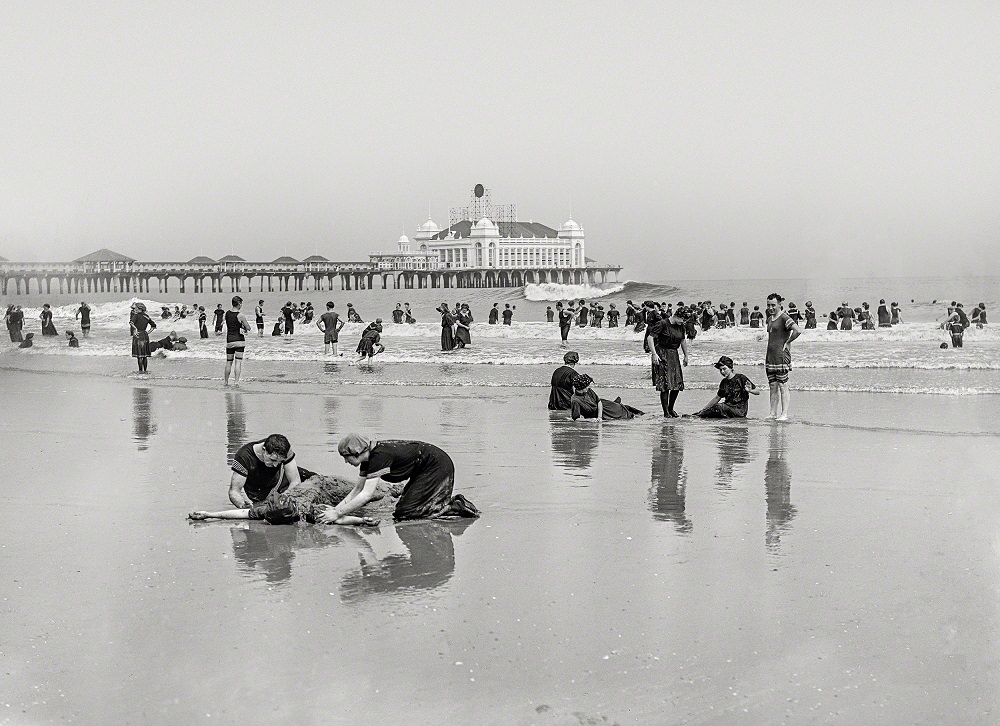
{"type": "Point", "coordinates": [691, 140]}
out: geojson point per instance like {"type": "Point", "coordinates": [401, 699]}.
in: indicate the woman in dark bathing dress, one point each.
{"type": "Point", "coordinates": [426, 472]}
{"type": "Point", "coordinates": [140, 325]}
{"type": "Point", "coordinates": [447, 323]}
{"type": "Point", "coordinates": [46, 317]}
{"type": "Point", "coordinates": [585, 403]}
{"type": "Point", "coordinates": [664, 337]}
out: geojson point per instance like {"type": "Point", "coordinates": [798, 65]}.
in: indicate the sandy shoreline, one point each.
{"type": "Point", "coordinates": [835, 568]}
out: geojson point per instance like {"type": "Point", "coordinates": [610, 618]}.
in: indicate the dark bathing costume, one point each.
{"type": "Point", "coordinates": [562, 389]}
{"type": "Point", "coordinates": [234, 333]}
{"type": "Point", "coordinates": [84, 317]}
{"type": "Point", "coordinates": [584, 405]}
{"type": "Point", "coordinates": [261, 478]}
{"type": "Point", "coordinates": [330, 319]}
{"type": "Point", "coordinates": [778, 361]}
{"type": "Point", "coordinates": [220, 315]}
{"type": "Point", "coordinates": [431, 475]}
{"type": "Point", "coordinates": [736, 398]}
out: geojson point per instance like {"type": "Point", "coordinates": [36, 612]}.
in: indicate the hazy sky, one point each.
{"type": "Point", "coordinates": [691, 140]}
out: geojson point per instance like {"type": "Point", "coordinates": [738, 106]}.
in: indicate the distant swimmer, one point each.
{"type": "Point", "coordinates": [408, 314]}
{"type": "Point", "coordinates": [561, 385]}
{"type": "Point", "coordinates": [288, 312]}
{"type": "Point", "coordinates": [613, 315]}
{"type": "Point", "coordinates": [463, 326]}
{"type": "Point", "coordinates": [140, 324]}
{"type": "Point", "coordinates": [756, 317]}
{"type": "Point", "coordinates": [631, 313]}
{"type": "Point", "coordinates": [370, 344]}
{"type": "Point", "coordinates": [397, 314]}
{"type": "Point", "coordinates": [884, 317]}
{"type": "Point", "coordinates": [27, 342]}
{"type": "Point", "coordinates": [14, 319]}
{"type": "Point", "coordinates": [846, 315]}
{"type": "Point", "coordinates": [447, 328]}
{"type": "Point", "coordinates": [831, 323]}
{"type": "Point", "coordinates": [565, 322]}
{"type": "Point", "coordinates": [276, 331]}
{"type": "Point", "coordinates": [494, 314]}
{"type": "Point", "coordinates": [220, 318]}
{"type": "Point", "coordinates": [330, 324]}
{"type": "Point", "coordinates": [352, 314]}
{"type": "Point", "coordinates": [550, 314]}
{"type": "Point", "coordinates": [48, 328]}
{"type": "Point", "coordinates": [781, 331]}
{"type": "Point", "coordinates": [236, 326]}
{"type": "Point", "coordinates": [508, 314]}
{"type": "Point", "coordinates": [585, 403]}
{"type": "Point", "coordinates": [202, 322]}
{"type": "Point", "coordinates": [582, 315]}
{"type": "Point", "coordinates": [732, 398]}
{"type": "Point", "coordinates": [954, 327]}
{"type": "Point", "coordinates": [895, 316]}
{"type": "Point", "coordinates": [428, 473]}
{"type": "Point", "coordinates": [258, 313]}
{"type": "Point", "coordinates": [73, 341]}
{"type": "Point", "coordinates": [978, 317]}
{"type": "Point", "coordinates": [83, 313]}
{"type": "Point", "coordinates": [744, 315]}
{"type": "Point", "coordinates": [810, 313]}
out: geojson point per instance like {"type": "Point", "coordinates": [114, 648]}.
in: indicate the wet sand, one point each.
{"type": "Point", "coordinates": [841, 568]}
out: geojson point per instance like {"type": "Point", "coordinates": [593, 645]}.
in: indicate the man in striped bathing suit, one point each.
{"type": "Point", "coordinates": [781, 331]}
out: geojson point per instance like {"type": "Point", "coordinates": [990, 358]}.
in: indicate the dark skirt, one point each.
{"type": "Point", "coordinates": [668, 376]}
{"type": "Point", "coordinates": [14, 332]}
{"type": "Point", "coordinates": [366, 348]}
{"type": "Point", "coordinates": [140, 345]}
{"type": "Point", "coordinates": [618, 411]}
{"type": "Point", "coordinates": [447, 339]}
{"type": "Point", "coordinates": [49, 329]}
{"type": "Point", "coordinates": [724, 410]}
{"type": "Point", "coordinates": [463, 336]}
{"type": "Point", "coordinates": [203, 330]}
{"type": "Point", "coordinates": [428, 492]}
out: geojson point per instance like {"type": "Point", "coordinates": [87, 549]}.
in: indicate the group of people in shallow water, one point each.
{"type": "Point", "coordinates": [667, 330]}
{"type": "Point", "coordinates": [418, 478]}
{"type": "Point", "coordinates": [14, 320]}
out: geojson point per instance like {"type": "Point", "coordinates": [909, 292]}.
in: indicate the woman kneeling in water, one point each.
{"type": "Point", "coordinates": [733, 396]}
{"type": "Point", "coordinates": [426, 473]}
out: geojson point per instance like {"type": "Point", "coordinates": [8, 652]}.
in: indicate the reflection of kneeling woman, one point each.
{"type": "Point", "coordinates": [733, 396]}
{"type": "Point", "coordinates": [584, 403]}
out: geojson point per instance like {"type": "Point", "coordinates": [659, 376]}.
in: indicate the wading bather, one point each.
{"type": "Point", "coordinates": [426, 472]}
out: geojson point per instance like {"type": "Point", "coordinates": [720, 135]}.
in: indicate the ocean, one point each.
{"type": "Point", "coordinates": [905, 359]}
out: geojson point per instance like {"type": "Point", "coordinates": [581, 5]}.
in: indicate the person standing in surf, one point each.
{"type": "Point", "coordinates": [663, 338]}
{"type": "Point", "coordinates": [258, 313]}
{"type": "Point", "coordinates": [83, 313]}
{"type": "Point", "coordinates": [447, 328]}
{"type": "Point", "coordinates": [140, 324]}
{"type": "Point", "coordinates": [565, 322]}
{"type": "Point", "coordinates": [236, 326]}
{"type": "Point", "coordinates": [330, 324]}
{"type": "Point", "coordinates": [781, 331]}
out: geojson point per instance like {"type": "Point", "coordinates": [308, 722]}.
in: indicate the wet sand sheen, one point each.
{"type": "Point", "coordinates": [646, 572]}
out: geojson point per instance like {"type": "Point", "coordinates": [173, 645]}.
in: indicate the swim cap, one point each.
{"type": "Point", "coordinates": [571, 357]}
{"type": "Point", "coordinates": [353, 444]}
{"type": "Point", "coordinates": [581, 381]}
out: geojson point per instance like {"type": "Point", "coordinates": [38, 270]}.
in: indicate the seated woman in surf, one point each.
{"type": "Point", "coordinates": [584, 403]}
{"type": "Point", "coordinates": [733, 396]}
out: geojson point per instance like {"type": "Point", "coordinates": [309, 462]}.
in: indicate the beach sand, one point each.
{"type": "Point", "coordinates": [840, 568]}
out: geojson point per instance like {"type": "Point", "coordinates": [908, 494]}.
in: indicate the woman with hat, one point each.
{"type": "Point", "coordinates": [585, 403]}
{"type": "Point", "coordinates": [663, 338]}
{"type": "Point", "coordinates": [463, 321]}
{"type": "Point", "coordinates": [140, 324]}
{"type": "Point", "coordinates": [733, 396]}
{"type": "Point", "coordinates": [426, 472]}
{"type": "Point", "coordinates": [447, 327]}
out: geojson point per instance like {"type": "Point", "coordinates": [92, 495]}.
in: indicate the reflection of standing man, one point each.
{"type": "Point", "coordinates": [777, 490]}
{"type": "Point", "coordinates": [781, 331]}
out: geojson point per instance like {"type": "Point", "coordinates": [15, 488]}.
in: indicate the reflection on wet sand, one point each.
{"type": "Point", "coordinates": [733, 439]}
{"type": "Point", "coordinates": [573, 442]}
{"type": "Point", "coordinates": [429, 562]}
{"type": "Point", "coordinates": [236, 424]}
{"type": "Point", "coordinates": [668, 478]}
{"type": "Point", "coordinates": [143, 425]}
{"type": "Point", "coordinates": [777, 490]}
{"type": "Point", "coordinates": [331, 408]}
{"type": "Point", "coordinates": [268, 550]}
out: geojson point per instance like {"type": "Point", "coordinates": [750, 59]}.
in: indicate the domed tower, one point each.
{"type": "Point", "coordinates": [404, 244]}
{"type": "Point", "coordinates": [426, 231]}
{"type": "Point", "coordinates": [572, 235]}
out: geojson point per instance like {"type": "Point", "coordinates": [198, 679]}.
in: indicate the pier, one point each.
{"type": "Point", "coordinates": [106, 271]}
